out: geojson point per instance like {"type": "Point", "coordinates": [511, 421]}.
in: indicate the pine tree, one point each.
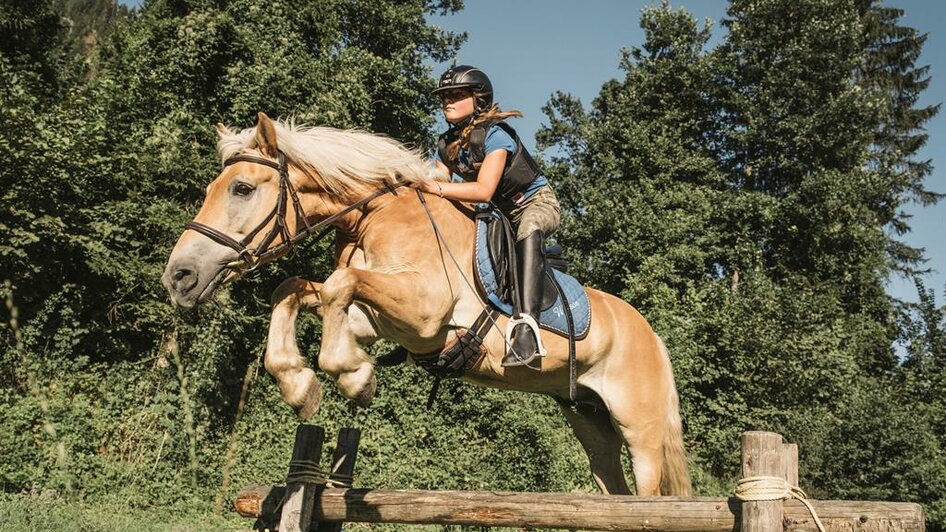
{"type": "Point", "coordinates": [800, 133]}
{"type": "Point", "coordinates": [889, 68]}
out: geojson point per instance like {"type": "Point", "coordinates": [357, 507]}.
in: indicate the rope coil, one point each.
{"type": "Point", "coordinates": [764, 488]}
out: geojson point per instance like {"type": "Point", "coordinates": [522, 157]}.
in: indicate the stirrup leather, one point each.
{"type": "Point", "coordinates": [525, 319]}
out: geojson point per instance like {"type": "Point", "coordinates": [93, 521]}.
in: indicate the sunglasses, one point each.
{"type": "Point", "coordinates": [455, 94]}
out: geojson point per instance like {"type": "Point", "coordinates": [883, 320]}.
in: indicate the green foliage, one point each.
{"type": "Point", "coordinates": [44, 511]}
{"type": "Point", "coordinates": [742, 198]}
{"type": "Point", "coordinates": [888, 67]}
{"type": "Point", "coordinates": [745, 198]}
{"type": "Point", "coordinates": [113, 400]}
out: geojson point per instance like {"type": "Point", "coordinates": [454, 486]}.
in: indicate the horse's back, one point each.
{"type": "Point", "coordinates": [619, 332]}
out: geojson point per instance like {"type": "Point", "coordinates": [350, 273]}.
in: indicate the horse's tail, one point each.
{"type": "Point", "coordinates": [674, 477]}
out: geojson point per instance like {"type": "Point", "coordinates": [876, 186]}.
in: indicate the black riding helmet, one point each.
{"type": "Point", "coordinates": [468, 77]}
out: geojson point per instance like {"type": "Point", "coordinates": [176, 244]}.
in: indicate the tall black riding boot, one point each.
{"type": "Point", "coordinates": [530, 255]}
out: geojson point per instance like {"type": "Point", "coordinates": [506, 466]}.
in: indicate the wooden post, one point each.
{"type": "Point", "coordinates": [300, 495]}
{"type": "Point", "coordinates": [762, 456]}
{"type": "Point", "coordinates": [343, 467]}
{"type": "Point", "coordinates": [790, 463]}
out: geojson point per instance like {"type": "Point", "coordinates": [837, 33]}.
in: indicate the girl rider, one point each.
{"type": "Point", "coordinates": [487, 154]}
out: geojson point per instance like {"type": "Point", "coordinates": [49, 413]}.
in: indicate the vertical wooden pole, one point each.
{"type": "Point", "coordinates": [343, 467]}
{"type": "Point", "coordinates": [300, 495]}
{"type": "Point", "coordinates": [790, 463]}
{"type": "Point", "coordinates": [761, 456]}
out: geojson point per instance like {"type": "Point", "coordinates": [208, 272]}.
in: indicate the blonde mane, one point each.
{"type": "Point", "coordinates": [343, 162]}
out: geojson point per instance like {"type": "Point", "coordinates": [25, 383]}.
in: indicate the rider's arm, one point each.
{"type": "Point", "coordinates": [487, 179]}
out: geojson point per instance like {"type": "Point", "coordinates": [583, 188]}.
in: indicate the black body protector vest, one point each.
{"type": "Point", "coordinates": [520, 170]}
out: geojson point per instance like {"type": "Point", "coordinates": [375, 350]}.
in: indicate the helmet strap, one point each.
{"type": "Point", "coordinates": [465, 122]}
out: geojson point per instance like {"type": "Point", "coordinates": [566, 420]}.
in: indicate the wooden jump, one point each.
{"type": "Point", "coordinates": [308, 507]}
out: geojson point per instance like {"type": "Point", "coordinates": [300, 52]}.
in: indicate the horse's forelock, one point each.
{"type": "Point", "coordinates": [230, 144]}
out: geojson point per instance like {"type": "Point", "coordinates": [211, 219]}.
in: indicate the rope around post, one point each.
{"type": "Point", "coordinates": [310, 472]}
{"type": "Point", "coordinates": [306, 472]}
{"type": "Point", "coordinates": [772, 489]}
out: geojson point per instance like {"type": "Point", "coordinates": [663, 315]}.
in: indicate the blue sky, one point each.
{"type": "Point", "coordinates": [533, 48]}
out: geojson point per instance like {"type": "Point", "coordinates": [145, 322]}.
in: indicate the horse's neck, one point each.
{"type": "Point", "coordinates": [399, 226]}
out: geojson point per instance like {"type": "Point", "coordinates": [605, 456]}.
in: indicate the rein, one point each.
{"type": "Point", "coordinates": [253, 258]}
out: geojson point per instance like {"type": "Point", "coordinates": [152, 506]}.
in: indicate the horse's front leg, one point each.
{"type": "Point", "coordinates": [399, 296]}
{"type": "Point", "coordinates": [297, 382]}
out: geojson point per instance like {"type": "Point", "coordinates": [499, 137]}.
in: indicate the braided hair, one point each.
{"type": "Point", "coordinates": [492, 114]}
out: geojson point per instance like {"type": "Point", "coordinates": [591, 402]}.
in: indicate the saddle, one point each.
{"type": "Point", "coordinates": [566, 309]}
{"type": "Point", "coordinates": [494, 251]}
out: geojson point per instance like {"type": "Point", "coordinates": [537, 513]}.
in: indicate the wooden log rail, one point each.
{"type": "Point", "coordinates": [592, 511]}
{"type": "Point", "coordinates": [576, 510]}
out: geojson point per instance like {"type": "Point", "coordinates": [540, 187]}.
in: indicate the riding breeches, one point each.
{"type": "Point", "coordinates": [540, 211]}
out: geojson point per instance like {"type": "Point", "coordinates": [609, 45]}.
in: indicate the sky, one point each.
{"type": "Point", "coordinates": [533, 48]}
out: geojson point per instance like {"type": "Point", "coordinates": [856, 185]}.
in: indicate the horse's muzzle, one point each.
{"type": "Point", "coordinates": [182, 281]}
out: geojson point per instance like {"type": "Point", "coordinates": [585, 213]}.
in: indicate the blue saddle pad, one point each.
{"type": "Point", "coordinates": [552, 318]}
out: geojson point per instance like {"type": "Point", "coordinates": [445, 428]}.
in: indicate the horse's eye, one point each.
{"type": "Point", "coordinates": [242, 189]}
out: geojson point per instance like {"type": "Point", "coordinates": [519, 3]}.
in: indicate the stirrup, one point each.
{"type": "Point", "coordinates": [525, 319]}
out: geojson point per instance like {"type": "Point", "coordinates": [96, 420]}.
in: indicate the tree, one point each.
{"type": "Point", "coordinates": [32, 33]}
{"type": "Point", "coordinates": [888, 67]}
{"type": "Point", "coordinates": [733, 196]}
{"type": "Point", "coordinates": [98, 182]}
{"type": "Point", "coordinates": [636, 176]}
{"type": "Point", "coordinates": [924, 337]}
{"type": "Point", "coordinates": [88, 23]}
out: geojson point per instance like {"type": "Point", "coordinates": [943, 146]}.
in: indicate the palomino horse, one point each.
{"type": "Point", "coordinates": [395, 279]}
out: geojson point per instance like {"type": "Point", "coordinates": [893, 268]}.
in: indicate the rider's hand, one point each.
{"type": "Point", "coordinates": [431, 187]}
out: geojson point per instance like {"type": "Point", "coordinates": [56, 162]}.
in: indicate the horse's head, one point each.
{"type": "Point", "coordinates": [239, 219]}
{"type": "Point", "coordinates": [256, 208]}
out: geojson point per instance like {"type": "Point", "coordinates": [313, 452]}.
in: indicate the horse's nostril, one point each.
{"type": "Point", "coordinates": [183, 280]}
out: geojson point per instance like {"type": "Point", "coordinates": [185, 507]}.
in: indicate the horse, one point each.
{"type": "Point", "coordinates": [396, 278]}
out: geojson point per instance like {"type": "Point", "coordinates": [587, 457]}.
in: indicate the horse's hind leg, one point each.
{"type": "Point", "coordinates": [298, 384]}
{"type": "Point", "coordinates": [645, 443]}
{"type": "Point", "coordinates": [645, 413]}
{"type": "Point", "coordinates": [602, 444]}
{"type": "Point", "coordinates": [645, 408]}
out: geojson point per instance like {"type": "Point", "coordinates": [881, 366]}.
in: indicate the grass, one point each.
{"type": "Point", "coordinates": [46, 512]}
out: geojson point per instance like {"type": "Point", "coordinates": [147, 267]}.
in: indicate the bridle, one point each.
{"type": "Point", "coordinates": [250, 259]}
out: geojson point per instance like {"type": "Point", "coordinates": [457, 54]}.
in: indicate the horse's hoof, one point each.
{"type": "Point", "coordinates": [364, 398]}
{"type": "Point", "coordinates": [313, 400]}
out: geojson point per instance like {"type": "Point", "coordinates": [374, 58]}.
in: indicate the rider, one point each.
{"type": "Point", "coordinates": [489, 163]}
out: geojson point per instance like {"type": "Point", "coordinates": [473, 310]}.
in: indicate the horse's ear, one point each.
{"type": "Point", "coordinates": [266, 136]}
{"type": "Point", "coordinates": [223, 131]}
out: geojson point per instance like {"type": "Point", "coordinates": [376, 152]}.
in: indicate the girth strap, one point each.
{"type": "Point", "coordinates": [461, 356]}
